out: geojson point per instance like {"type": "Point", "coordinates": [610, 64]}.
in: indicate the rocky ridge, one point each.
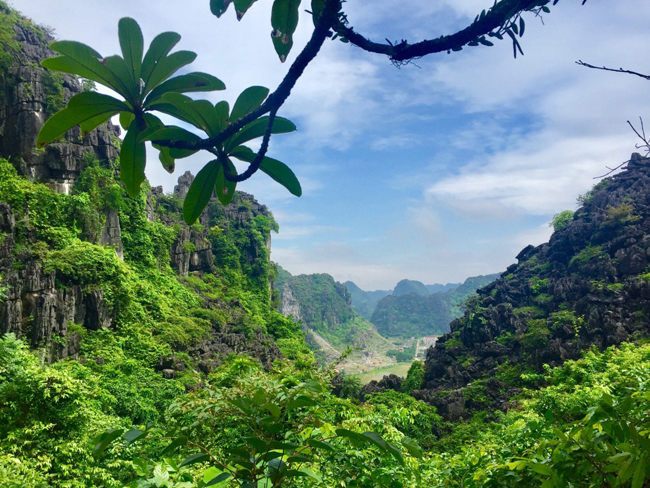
{"type": "Point", "coordinates": [588, 286]}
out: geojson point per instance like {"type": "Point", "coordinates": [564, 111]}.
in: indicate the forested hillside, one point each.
{"type": "Point", "coordinates": [422, 313]}
{"type": "Point", "coordinates": [139, 351]}
{"type": "Point", "coordinates": [324, 308]}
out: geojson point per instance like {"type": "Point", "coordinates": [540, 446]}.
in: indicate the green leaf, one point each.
{"type": "Point", "coordinates": [134, 435]}
{"type": "Point", "coordinates": [273, 408]}
{"type": "Point", "coordinates": [639, 474]}
{"type": "Point", "coordinates": [218, 479]}
{"type": "Point", "coordinates": [84, 61]}
{"type": "Point", "coordinates": [166, 159]}
{"type": "Point", "coordinates": [541, 469]}
{"type": "Point", "coordinates": [191, 82]}
{"type": "Point", "coordinates": [89, 125]}
{"type": "Point", "coordinates": [218, 7]}
{"type": "Point", "coordinates": [282, 45]}
{"type": "Point", "coordinates": [200, 191]}
{"type": "Point", "coordinates": [199, 113]}
{"type": "Point", "coordinates": [141, 466]}
{"type": "Point", "coordinates": [311, 474]}
{"type": "Point", "coordinates": [166, 67]}
{"type": "Point", "coordinates": [300, 402]}
{"type": "Point", "coordinates": [376, 439]}
{"type": "Point", "coordinates": [241, 6]}
{"type": "Point", "coordinates": [256, 129]}
{"type": "Point", "coordinates": [277, 170]}
{"type": "Point", "coordinates": [352, 435]}
{"type": "Point", "coordinates": [317, 7]}
{"type": "Point", "coordinates": [132, 45]}
{"type": "Point", "coordinates": [320, 445]}
{"type": "Point", "coordinates": [284, 20]}
{"type": "Point", "coordinates": [199, 457]}
{"type": "Point", "coordinates": [81, 109]}
{"type": "Point", "coordinates": [226, 189]}
{"type": "Point", "coordinates": [222, 110]}
{"type": "Point", "coordinates": [119, 67]}
{"type": "Point", "coordinates": [133, 159]}
{"type": "Point", "coordinates": [104, 439]}
{"type": "Point", "coordinates": [125, 119]}
{"type": "Point", "coordinates": [159, 48]}
{"type": "Point", "coordinates": [284, 16]}
{"type": "Point", "coordinates": [170, 132]}
{"type": "Point", "coordinates": [412, 447]}
{"type": "Point", "coordinates": [176, 443]}
{"type": "Point", "coordinates": [250, 99]}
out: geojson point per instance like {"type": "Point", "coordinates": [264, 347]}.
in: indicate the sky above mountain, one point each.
{"type": "Point", "coordinates": [437, 171]}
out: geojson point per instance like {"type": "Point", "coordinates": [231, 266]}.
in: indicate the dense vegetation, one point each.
{"type": "Point", "coordinates": [414, 311]}
{"type": "Point", "coordinates": [147, 399]}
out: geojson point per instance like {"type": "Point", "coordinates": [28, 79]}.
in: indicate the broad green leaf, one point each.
{"type": "Point", "coordinates": [166, 159]}
{"type": "Point", "coordinates": [316, 9]}
{"type": "Point", "coordinates": [84, 61]}
{"type": "Point", "coordinates": [241, 6]}
{"type": "Point", "coordinates": [639, 474]}
{"type": "Point", "coordinates": [176, 443]}
{"type": "Point", "coordinates": [91, 124]}
{"type": "Point", "coordinates": [352, 435]}
{"type": "Point", "coordinates": [134, 435]}
{"type": "Point", "coordinates": [300, 402]}
{"type": "Point", "coordinates": [226, 189]}
{"type": "Point", "coordinates": [82, 108]}
{"type": "Point", "coordinates": [159, 48]}
{"type": "Point", "coordinates": [250, 99]}
{"type": "Point", "coordinates": [191, 82]}
{"type": "Point", "coordinates": [299, 458]}
{"type": "Point", "coordinates": [273, 408]}
{"type": "Point", "coordinates": [412, 447]}
{"type": "Point", "coordinates": [132, 45]}
{"type": "Point", "coordinates": [311, 474]}
{"type": "Point", "coordinates": [119, 67]}
{"type": "Point", "coordinates": [284, 16]}
{"type": "Point", "coordinates": [282, 45]}
{"type": "Point", "coordinates": [133, 159]}
{"type": "Point", "coordinates": [376, 439]}
{"type": "Point", "coordinates": [218, 7]}
{"type": "Point", "coordinates": [541, 469]}
{"type": "Point", "coordinates": [104, 439]}
{"type": "Point", "coordinates": [257, 444]}
{"type": "Point", "coordinates": [627, 470]}
{"type": "Point", "coordinates": [170, 132]}
{"type": "Point", "coordinates": [222, 110]}
{"type": "Point", "coordinates": [199, 113]}
{"type": "Point", "coordinates": [320, 444]}
{"type": "Point", "coordinates": [284, 20]}
{"type": "Point", "coordinates": [397, 454]}
{"type": "Point", "coordinates": [201, 191]}
{"type": "Point", "coordinates": [166, 67]}
{"type": "Point", "coordinates": [125, 119]}
{"type": "Point", "coordinates": [256, 129]}
{"type": "Point", "coordinates": [199, 457]}
{"type": "Point", "coordinates": [217, 479]}
{"type": "Point", "coordinates": [141, 466]}
{"type": "Point", "coordinates": [277, 170]}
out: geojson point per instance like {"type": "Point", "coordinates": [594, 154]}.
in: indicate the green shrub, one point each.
{"type": "Point", "coordinates": [561, 220]}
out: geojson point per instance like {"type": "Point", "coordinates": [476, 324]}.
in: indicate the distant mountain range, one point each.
{"type": "Point", "coordinates": [413, 308]}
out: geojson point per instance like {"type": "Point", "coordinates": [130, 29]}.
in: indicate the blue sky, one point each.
{"type": "Point", "coordinates": [437, 171]}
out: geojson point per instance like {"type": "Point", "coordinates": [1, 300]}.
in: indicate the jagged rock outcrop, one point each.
{"type": "Point", "coordinates": [29, 95]}
{"type": "Point", "coordinates": [35, 307]}
{"type": "Point", "coordinates": [388, 382]}
{"type": "Point", "coordinates": [588, 286]}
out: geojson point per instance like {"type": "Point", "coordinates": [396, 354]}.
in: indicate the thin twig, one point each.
{"type": "Point", "coordinates": [619, 70]}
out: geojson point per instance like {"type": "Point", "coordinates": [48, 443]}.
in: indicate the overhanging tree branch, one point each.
{"type": "Point", "coordinates": [489, 22]}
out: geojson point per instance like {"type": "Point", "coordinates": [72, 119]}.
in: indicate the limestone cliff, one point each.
{"type": "Point", "coordinates": [588, 286]}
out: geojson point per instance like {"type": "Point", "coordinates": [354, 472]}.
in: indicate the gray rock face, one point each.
{"type": "Point", "coordinates": [36, 309]}
{"type": "Point", "coordinates": [290, 306]}
{"type": "Point", "coordinates": [111, 233]}
{"type": "Point", "coordinates": [588, 286]}
{"type": "Point", "coordinates": [25, 104]}
{"type": "Point", "coordinates": [183, 186]}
